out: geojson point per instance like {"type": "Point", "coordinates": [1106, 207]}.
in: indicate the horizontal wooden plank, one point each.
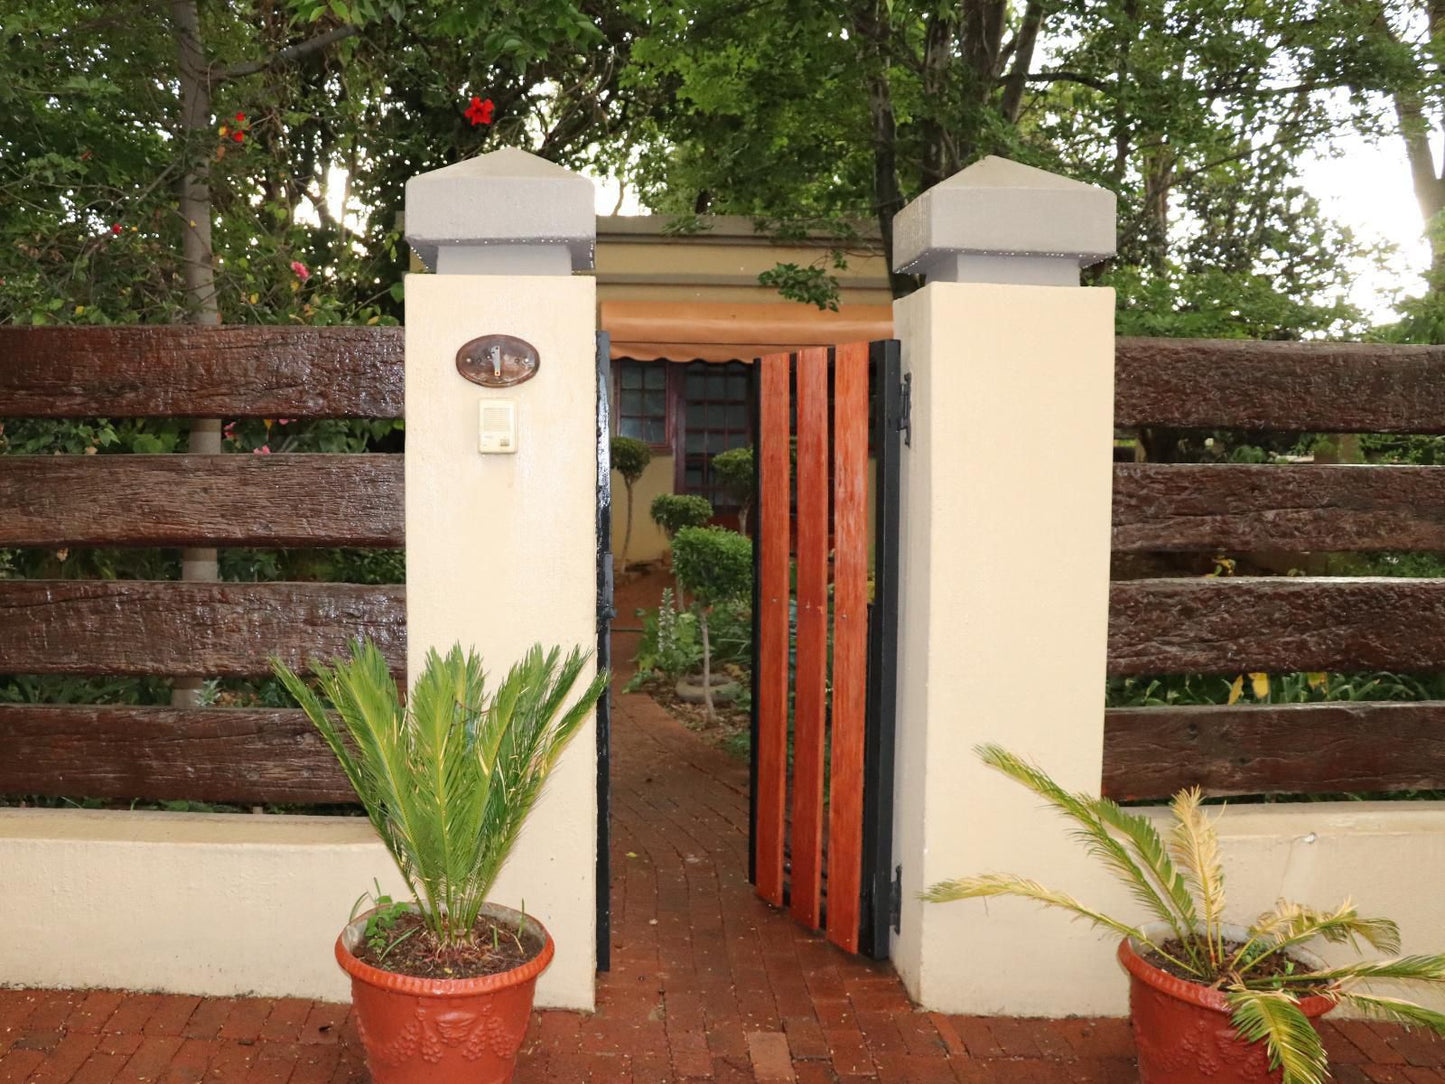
{"type": "Point", "coordinates": [246, 755]}
{"type": "Point", "coordinates": [1231, 626]}
{"type": "Point", "coordinates": [205, 372]}
{"type": "Point", "coordinates": [1275, 749]}
{"type": "Point", "coordinates": [203, 629]}
{"type": "Point", "coordinates": [1299, 508]}
{"type": "Point", "coordinates": [1306, 386]}
{"type": "Point", "coordinates": [217, 500]}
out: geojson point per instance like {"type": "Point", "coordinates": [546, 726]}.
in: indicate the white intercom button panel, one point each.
{"type": "Point", "coordinates": [498, 428]}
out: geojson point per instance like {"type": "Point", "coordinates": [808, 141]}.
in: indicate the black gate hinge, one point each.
{"type": "Point", "coordinates": [895, 898]}
{"type": "Point", "coordinates": [905, 410]}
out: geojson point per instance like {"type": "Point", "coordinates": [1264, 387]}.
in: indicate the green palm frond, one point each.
{"type": "Point", "coordinates": [1291, 924]}
{"type": "Point", "coordinates": [1425, 969]}
{"type": "Point", "coordinates": [1397, 1011]}
{"type": "Point", "coordinates": [1160, 890]}
{"type": "Point", "coordinates": [1006, 884]}
{"type": "Point", "coordinates": [449, 778]}
{"type": "Point", "coordinates": [1144, 840]}
{"type": "Point", "coordinates": [1194, 845]}
{"type": "Point", "coordinates": [1274, 1017]}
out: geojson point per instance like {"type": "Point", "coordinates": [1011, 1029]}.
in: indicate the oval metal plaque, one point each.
{"type": "Point", "coordinates": [498, 361]}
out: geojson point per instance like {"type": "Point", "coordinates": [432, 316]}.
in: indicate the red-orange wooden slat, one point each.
{"type": "Point", "coordinates": [774, 530]}
{"type": "Point", "coordinates": [809, 707]}
{"type": "Point", "coordinates": [850, 642]}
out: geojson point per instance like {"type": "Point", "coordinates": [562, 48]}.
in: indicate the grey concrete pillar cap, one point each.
{"type": "Point", "coordinates": [999, 221]}
{"type": "Point", "coordinates": [507, 212]}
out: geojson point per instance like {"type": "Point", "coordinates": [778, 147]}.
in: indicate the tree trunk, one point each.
{"type": "Point", "coordinates": [627, 533]}
{"type": "Point", "coordinates": [706, 665]}
{"type": "Point", "coordinates": [197, 563]}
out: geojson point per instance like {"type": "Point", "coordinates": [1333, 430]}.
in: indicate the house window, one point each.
{"type": "Point", "coordinates": [716, 417]}
{"type": "Point", "coordinates": [642, 402]}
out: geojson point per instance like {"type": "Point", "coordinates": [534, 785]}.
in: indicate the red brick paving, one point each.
{"type": "Point", "coordinates": [707, 983]}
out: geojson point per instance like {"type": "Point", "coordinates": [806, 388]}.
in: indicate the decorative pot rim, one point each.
{"type": "Point", "coordinates": [415, 984]}
{"type": "Point", "coordinates": [1208, 997]}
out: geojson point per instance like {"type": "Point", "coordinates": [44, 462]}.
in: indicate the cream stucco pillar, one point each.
{"type": "Point", "coordinates": [1005, 569]}
{"type": "Point", "coordinates": [501, 545]}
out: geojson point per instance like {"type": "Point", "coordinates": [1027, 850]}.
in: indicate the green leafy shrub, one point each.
{"type": "Point", "coordinates": [675, 511]}
{"type": "Point", "coordinates": [734, 468]}
{"type": "Point", "coordinates": [629, 458]}
{"type": "Point", "coordinates": [1179, 880]}
{"type": "Point", "coordinates": [715, 566]}
{"type": "Point", "coordinates": [670, 645]}
{"type": "Point", "coordinates": [449, 776]}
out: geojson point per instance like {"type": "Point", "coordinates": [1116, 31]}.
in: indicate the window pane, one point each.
{"type": "Point", "coordinates": [655, 404]}
{"type": "Point", "coordinates": [717, 386]}
{"type": "Point", "coordinates": [655, 376]}
{"type": "Point", "coordinates": [656, 429]}
{"type": "Point", "coordinates": [631, 427]}
{"type": "Point", "coordinates": [737, 416]}
{"type": "Point", "coordinates": [632, 376]}
{"type": "Point", "coordinates": [737, 440]}
{"type": "Point", "coordinates": [696, 383]}
{"type": "Point", "coordinates": [632, 402]}
{"type": "Point", "coordinates": [716, 442]}
{"type": "Point", "coordinates": [717, 415]}
{"type": "Point", "coordinates": [696, 415]}
{"type": "Point", "coordinates": [738, 387]}
{"type": "Point", "coordinates": [693, 478]}
{"type": "Point", "coordinates": [695, 440]}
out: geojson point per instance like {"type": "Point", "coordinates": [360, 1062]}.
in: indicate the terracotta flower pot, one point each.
{"type": "Point", "coordinates": [442, 1031]}
{"type": "Point", "coordinates": [1183, 1032]}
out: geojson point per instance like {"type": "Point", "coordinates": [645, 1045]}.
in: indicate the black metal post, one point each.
{"type": "Point", "coordinates": [878, 742]}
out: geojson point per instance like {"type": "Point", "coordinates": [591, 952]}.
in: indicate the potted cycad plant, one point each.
{"type": "Point", "coordinates": [1211, 1001]}
{"type": "Point", "coordinates": [442, 985]}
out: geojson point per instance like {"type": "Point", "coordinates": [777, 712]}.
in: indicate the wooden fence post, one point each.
{"type": "Point", "coordinates": [1004, 553]}
{"type": "Point", "coordinates": [501, 543]}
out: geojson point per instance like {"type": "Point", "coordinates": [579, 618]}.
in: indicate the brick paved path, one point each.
{"type": "Point", "coordinates": [707, 983]}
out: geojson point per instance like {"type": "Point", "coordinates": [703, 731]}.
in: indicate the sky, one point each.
{"type": "Point", "coordinates": [1366, 187]}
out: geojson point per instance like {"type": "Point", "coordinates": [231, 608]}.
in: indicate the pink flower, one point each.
{"type": "Point", "coordinates": [284, 421]}
{"type": "Point", "coordinates": [300, 269]}
{"type": "Point", "coordinates": [229, 431]}
{"type": "Point", "coordinates": [265, 449]}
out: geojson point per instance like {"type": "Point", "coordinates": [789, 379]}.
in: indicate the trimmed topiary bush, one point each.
{"type": "Point", "coordinates": [715, 566]}
{"type": "Point", "coordinates": [734, 468]}
{"type": "Point", "coordinates": [674, 511]}
{"type": "Point", "coordinates": [629, 458]}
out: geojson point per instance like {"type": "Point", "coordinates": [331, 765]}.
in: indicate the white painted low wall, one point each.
{"type": "Point", "coordinates": [201, 903]}
{"type": "Point", "coordinates": [1015, 958]}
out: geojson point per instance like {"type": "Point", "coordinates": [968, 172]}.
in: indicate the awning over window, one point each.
{"type": "Point", "coordinates": [713, 331]}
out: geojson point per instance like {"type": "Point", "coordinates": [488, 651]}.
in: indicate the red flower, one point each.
{"type": "Point", "coordinates": [481, 112]}
{"type": "Point", "coordinates": [115, 228]}
{"type": "Point", "coordinates": [299, 270]}
{"type": "Point", "coordinates": [238, 135]}
{"type": "Point", "coordinates": [240, 118]}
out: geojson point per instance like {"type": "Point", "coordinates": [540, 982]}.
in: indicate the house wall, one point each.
{"type": "Point", "coordinates": [648, 541]}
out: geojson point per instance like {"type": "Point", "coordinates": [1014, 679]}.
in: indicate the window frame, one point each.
{"type": "Point", "coordinates": [671, 389]}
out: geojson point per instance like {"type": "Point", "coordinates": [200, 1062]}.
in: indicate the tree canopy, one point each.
{"type": "Point", "coordinates": [799, 113]}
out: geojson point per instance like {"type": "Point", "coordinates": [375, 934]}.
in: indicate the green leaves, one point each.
{"type": "Point", "coordinates": [713, 564]}
{"type": "Point", "coordinates": [1293, 1044]}
{"type": "Point", "coordinates": [1263, 986]}
{"type": "Point", "coordinates": [449, 778]}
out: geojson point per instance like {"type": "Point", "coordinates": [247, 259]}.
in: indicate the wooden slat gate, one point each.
{"type": "Point", "coordinates": [823, 771]}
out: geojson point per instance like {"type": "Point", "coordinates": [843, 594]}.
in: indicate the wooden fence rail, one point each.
{"type": "Point", "coordinates": [180, 371]}
{"type": "Point", "coordinates": [1217, 626]}
{"type": "Point", "coordinates": [211, 500]}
